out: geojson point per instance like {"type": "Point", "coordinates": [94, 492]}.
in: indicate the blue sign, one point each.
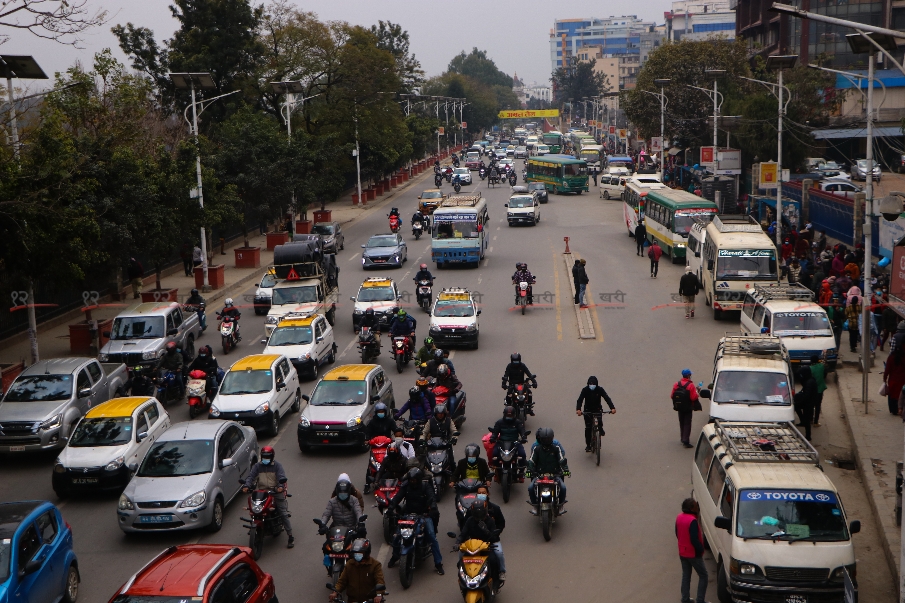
{"type": "Point", "coordinates": [811, 496]}
{"type": "Point", "coordinates": [472, 217]}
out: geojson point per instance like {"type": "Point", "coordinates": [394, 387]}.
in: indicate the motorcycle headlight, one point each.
{"type": "Point", "coordinates": [52, 423]}
{"type": "Point", "coordinates": [473, 582]}
{"type": "Point", "coordinates": [375, 463]}
{"type": "Point", "coordinates": [304, 422]}
{"type": "Point", "coordinates": [115, 464]}
{"type": "Point", "coordinates": [406, 532]}
{"type": "Point", "coordinates": [260, 410]}
{"type": "Point", "coordinates": [436, 467]}
{"type": "Point", "coordinates": [215, 412]}
{"type": "Point", "coordinates": [195, 500]}
{"type": "Point", "coordinates": [271, 320]}
{"type": "Point", "coordinates": [257, 507]}
{"type": "Point", "coordinates": [337, 546]}
{"type": "Point", "coordinates": [103, 357]}
{"type": "Point", "coordinates": [353, 422]}
{"type": "Point", "coordinates": [125, 504]}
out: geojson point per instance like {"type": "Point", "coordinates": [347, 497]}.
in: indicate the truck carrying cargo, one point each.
{"type": "Point", "coordinates": [310, 285]}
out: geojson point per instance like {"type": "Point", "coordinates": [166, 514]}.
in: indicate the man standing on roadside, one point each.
{"type": "Point", "coordinates": [135, 272]}
{"type": "Point", "coordinates": [688, 288]}
{"type": "Point", "coordinates": [818, 371]}
{"type": "Point", "coordinates": [582, 284]}
{"type": "Point", "coordinates": [685, 401]}
{"type": "Point", "coordinates": [640, 236]}
{"type": "Point", "coordinates": [691, 549]}
{"type": "Point", "coordinates": [654, 254]}
{"type": "Point", "coordinates": [576, 268]}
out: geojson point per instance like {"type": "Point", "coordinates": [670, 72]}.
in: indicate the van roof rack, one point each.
{"type": "Point", "coordinates": [736, 223]}
{"type": "Point", "coordinates": [764, 443]}
{"type": "Point", "coordinates": [793, 291]}
{"type": "Point", "coordinates": [752, 344]}
{"type": "Point", "coordinates": [461, 200]}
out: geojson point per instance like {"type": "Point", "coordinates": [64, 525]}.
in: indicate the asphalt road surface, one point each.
{"type": "Point", "coordinates": [616, 540]}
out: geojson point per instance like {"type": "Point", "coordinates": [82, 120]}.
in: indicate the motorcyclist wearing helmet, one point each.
{"type": "Point", "coordinates": [448, 362]}
{"type": "Point", "coordinates": [508, 429]}
{"type": "Point", "coordinates": [417, 405]}
{"type": "Point", "coordinates": [229, 309]}
{"type": "Point", "coordinates": [393, 466]}
{"type": "Point", "coordinates": [268, 474]}
{"type": "Point", "coordinates": [416, 496]}
{"type": "Point", "coordinates": [517, 372]}
{"type": "Point", "coordinates": [424, 274]}
{"type": "Point", "coordinates": [403, 324]}
{"type": "Point", "coordinates": [206, 362]}
{"type": "Point", "coordinates": [447, 379]}
{"type": "Point", "coordinates": [372, 321]}
{"type": "Point", "coordinates": [381, 424]}
{"type": "Point", "coordinates": [361, 575]}
{"type": "Point", "coordinates": [496, 514]}
{"type": "Point", "coordinates": [479, 525]}
{"type": "Point", "coordinates": [430, 370]}
{"type": "Point", "coordinates": [440, 426]}
{"type": "Point", "coordinates": [343, 509]}
{"type": "Point", "coordinates": [173, 361]}
{"type": "Point", "coordinates": [522, 274]}
{"type": "Point", "coordinates": [426, 352]}
{"type": "Point", "coordinates": [591, 395]}
{"type": "Point", "coordinates": [472, 466]}
{"type": "Point", "coordinates": [344, 477]}
{"type": "Point", "coordinates": [426, 387]}
{"type": "Point", "coordinates": [395, 212]}
{"type": "Point", "coordinates": [547, 458]}
{"type": "Point", "coordinates": [419, 217]}
{"type": "Point", "coordinates": [195, 299]}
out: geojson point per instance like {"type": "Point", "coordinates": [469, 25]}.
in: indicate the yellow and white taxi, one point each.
{"type": "Point", "coordinates": [381, 295]}
{"type": "Point", "coordinates": [258, 391]}
{"type": "Point", "coordinates": [454, 319]}
{"type": "Point", "coordinates": [306, 340]}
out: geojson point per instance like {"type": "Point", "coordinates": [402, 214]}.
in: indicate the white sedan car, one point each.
{"type": "Point", "coordinates": [464, 175]}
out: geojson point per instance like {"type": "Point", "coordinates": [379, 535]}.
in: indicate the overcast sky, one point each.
{"type": "Point", "coordinates": [515, 34]}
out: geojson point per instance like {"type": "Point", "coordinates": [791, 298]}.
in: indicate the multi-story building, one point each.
{"type": "Point", "coordinates": [621, 70]}
{"type": "Point", "coordinates": [699, 20]}
{"type": "Point", "coordinates": [614, 35]}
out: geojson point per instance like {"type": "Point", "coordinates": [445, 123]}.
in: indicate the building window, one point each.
{"type": "Point", "coordinates": [704, 27]}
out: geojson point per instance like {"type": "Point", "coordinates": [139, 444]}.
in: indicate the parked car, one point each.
{"type": "Point", "coordinates": [111, 437]}
{"type": "Point", "coordinates": [37, 563]}
{"type": "Point", "coordinates": [306, 340]}
{"type": "Point", "coordinates": [540, 190]}
{"type": "Point", "coordinates": [258, 391]}
{"type": "Point", "coordinates": [331, 233]}
{"type": "Point", "coordinates": [831, 169]}
{"type": "Point", "coordinates": [140, 336]}
{"type": "Point", "coordinates": [204, 573]}
{"type": "Point", "coordinates": [859, 170]}
{"type": "Point", "coordinates": [842, 188]}
{"type": "Point", "coordinates": [188, 477]}
{"type": "Point", "coordinates": [46, 401]}
{"type": "Point", "coordinates": [384, 250]}
{"type": "Point", "coordinates": [264, 293]}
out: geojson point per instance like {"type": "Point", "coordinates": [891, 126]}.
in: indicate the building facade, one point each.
{"type": "Point", "coordinates": [699, 20]}
{"type": "Point", "coordinates": [614, 35]}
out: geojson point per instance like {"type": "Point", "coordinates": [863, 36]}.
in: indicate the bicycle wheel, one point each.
{"type": "Point", "coordinates": [597, 448]}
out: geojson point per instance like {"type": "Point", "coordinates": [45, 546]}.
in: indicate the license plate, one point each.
{"type": "Point", "coordinates": [84, 480]}
{"type": "Point", "coordinates": [155, 518]}
{"type": "Point", "coordinates": [240, 422]}
{"type": "Point", "coordinates": [472, 560]}
{"type": "Point", "coordinates": [796, 599]}
{"type": "Point", "coordinates": [17, 448]}
{"type": "Point", "coordinates": [329, 434]}
{"type": "Point", "coordinates": [379, 261]}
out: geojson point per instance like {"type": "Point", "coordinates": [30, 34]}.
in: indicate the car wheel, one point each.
{"type": "Point", "coordinates": [274, 428]}
{"type": "Point", "coordinates": [297, 403]}
{"type": "Point", "coordinates": [190, 347]}
{"type": "Point", "coordinates": [606, 195]}
{"type": "Point", "coordinates": [71, 595]}
{"type": "Point", "coordinates": [342, 245]}
{"type": "Point", "coordinates": [332, 357]}
{"type": "Point", "coordinates": [216, 516]}
{"type": "Point", "coordinates": [314, 369]}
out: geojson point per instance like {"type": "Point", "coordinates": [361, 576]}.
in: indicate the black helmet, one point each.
{"type": "Point", "coordinates": [545, 436]}
{"type": "Point", "coordinates": [194, 292]}
{"type": "Point", "coordinates": [363, 546]}
{"type": "Point", "coordinates": [440, 411]}
{"type": "Point", "coordinates": [438, 354]}
{"type": "Point", "coordinates": [343, 487]}
{"type": "Point", "coordinates": [369, 312]}
{"type": "Point", "coordinates": [473, 450]}
{"type": "Point", "coordinates": [479, 509]}
{"type": "Point", "coordinates": [415, 475]}
{"type": "Point", "coordinates": [516, 357]}
{"type": "Point", "coordinates": [414, 393]}
{"type": "Point", "coordinates": [392, 450]}
{"type": "Point", "coordinates": [509, 413]}
{"type": "Point", "coordinates": [442, 371]}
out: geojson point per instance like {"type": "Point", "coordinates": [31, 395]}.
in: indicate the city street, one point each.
{"type": "Point", "coordinates": [617, 541]}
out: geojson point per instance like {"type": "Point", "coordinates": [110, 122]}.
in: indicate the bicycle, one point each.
{"type": "Point", "coordinates": [597, 433]}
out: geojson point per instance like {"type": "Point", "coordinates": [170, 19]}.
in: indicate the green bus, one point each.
{"type": "Point", "coordinates": [554, 141]}
{"type": "Point", "coordinates": [559, 173]}
{"type": "Point", "coordinates": [669, 214]}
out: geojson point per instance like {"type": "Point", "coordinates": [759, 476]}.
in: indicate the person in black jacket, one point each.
{"type": "Point", "coordinates": [806, 399]}
{"type": "Point", "coordinates": [417, 497]}
{"type": "Point", "coordinates": [591, 396]}
{"type": "Point", "coordinates": [688, 288]}
{"type": "Point", "coordinates": [472, 466]}
{"type": "Point", "coordinates": [575, 278]}
{"type": "Point", "coordinates": [640, 236]}
{"type": "Point", "coordinates": [381, 424]}
{"type": "Point", "coordinates": [481, 526]}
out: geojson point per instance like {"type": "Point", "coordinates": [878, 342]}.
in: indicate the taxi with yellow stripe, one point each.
{"type": "Point", "coordinates": [258, 391]}
{"type": "Point", "coordinates": [454, 319]}
{"type": "Point", "coordinates": [306, 340]}
{"type": "Point", "coordinates": [379, 294]}
{"type": "Point", "coordinates": [109, 439]}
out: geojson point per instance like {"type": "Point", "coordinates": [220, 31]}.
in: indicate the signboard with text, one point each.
{"type": "Point", "coordinates": [707, 155]}
{"type": "Point", "coordinates": [623, 133]}
{"type": "Point", "coordinates": [612, 130]}
{"type": "Point", "coordinates": [522, 114]}
{"type": "Point", "coordinates": [768, 175]}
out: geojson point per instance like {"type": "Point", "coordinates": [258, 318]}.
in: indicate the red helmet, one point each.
{"type": "Point", "coordinates": [171, 346]}
{"type": "Point", "coordinates": [423, 266]}
{"type": "Point", "coordinates": [267, 452]}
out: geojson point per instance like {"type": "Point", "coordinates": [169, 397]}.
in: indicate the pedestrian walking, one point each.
{"type": "Point", "coordinates": [640, 237]}
{"type": "Point", "coordinates": [691, 549]}
{"type": "Point", "coordinates": [186, 255]}
{"type": "Point", "coordinates": [654, 254]}
{"type": "Point", "coordinates": [818, 372]}
{"type": "Point", "coordinates": [894, 378]}
{"type": "Point", "coordinates": [890, 321]}
{"type": "Point", "coordinates": [685, 401]}
{"type": "Point", "coordinates": [575, 272]}
{"type": "Point", "coordinates": [197, 257]}
{"type": "Point", "coordinates": [582, 284]}
{"type": "Point", "coordinates": [794, 271]}
{"type": "Point", "coordinates": [852, 314]}
{"type": "Point", "coordinates": [688, 288]}
{"type": "Point", "coordinates": [136, 273]}
{"type": "Point", "coordinates": [805, 400]}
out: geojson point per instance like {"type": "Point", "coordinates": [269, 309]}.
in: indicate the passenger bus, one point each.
{"type": "Point", "coordinates": [559, 173]}
{"type": "Point", "coordinates": [670, 214]}
{"type": "Point", "coordinates": [593, 154]}
{"type": "Point", "coordinates": [554, 141]}
{"type": "Point", "coordinates": [633, 198]}
{"type": "Point", "coordinates": [737, 255]}
{"type": "Point", "coordinates": [459, 230]}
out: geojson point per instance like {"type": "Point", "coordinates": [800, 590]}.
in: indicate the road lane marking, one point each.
{"type": "Point", "coordinates": [480, 278]}
{"type": "Point", "coordinates": [351, 343]}
{"type": "Point", "coordinates": [494, 237]}
{"type": "Point", "coordinates": [558, 297]}
{"type": "Point", "coordinates": [497, 227]}
{"type": "Point", "coordinates": [490, 249]}
{"type": "Point", "coordinates": [354, 256]}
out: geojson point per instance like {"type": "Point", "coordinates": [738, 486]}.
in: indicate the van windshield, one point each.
{"type": "Point", "coordinates": [801, 324]}
{"type": "Point", "coordinates": [751, 387]}
{"type": "Point", "coordinates": [746, 264]}
{"type": "Point", "coordinates": [791, 515]}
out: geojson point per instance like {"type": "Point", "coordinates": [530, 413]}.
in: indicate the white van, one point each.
{"type": "Point", "coordinates": [696, 238]}
{"type": "Point", "coordinates": [771, 516]}
{"type": "Point", "coordinates": [611, 186]}
{"type": "Point", "coordinates": [752, 380]}
{"type": "Point", "coordinates": [789, 312]}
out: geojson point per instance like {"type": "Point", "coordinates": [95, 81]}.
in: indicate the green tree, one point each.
{"type": "Point", "coordinates": [479, 67]}
{"type": "Point", "coordinates": [578, 81]}
{"type": "Point", "coordinates": [392, 38]}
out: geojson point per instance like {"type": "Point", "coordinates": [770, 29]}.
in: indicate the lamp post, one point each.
{"type": "Point", "coordinates": [663, 101]}
{"type": "Point", "coordinates": [717, 100]}
{"type": "Point", "coordinates": [203, 81]}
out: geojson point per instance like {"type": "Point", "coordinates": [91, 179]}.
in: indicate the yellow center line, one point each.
{"type": "Point", "coordinates": [556, 260]}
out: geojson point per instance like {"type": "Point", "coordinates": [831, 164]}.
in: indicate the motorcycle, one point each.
{"type": "Point", "coordinates": [378, 446]}
{"type": "Point", "coordinates": [455, 160]}
{"type": "Point", "coordinates": [440, 463]}
{"type": "Point", "coordinates": [507, 466]}
{"type": "Point", "coordinates": [368, 344]}
{"type": "Point", "coordinates": [413, 546]}
{"type": "Point", "coordinates": [166, 388]}
{"type": "Point", "coordinates": [425, 294]}
{"type": "Point", "coordinates": [519, 397]}
{"type": "Point", "coordinates": [402, 351]}
{"type": "Point", "coordinates": [512, 178]}
{"type": "Point", "coordinates": [546, 493]}
{"type": "Point", "coordinates": [341, 599]}
{"type": "Point", "coordinates": [383, 494]}
{"type": "Point", "coordinates": [475, 581]}
{"type": "Point", "coordinates": [200, 394]}
{"type": "Point", "coordinates": [447, 173]}
{"type": "Point", "coordinates": [265, 519]}
{"type": "Point", "coordinates": [442, 394]}
{"type": "Point", "coordinates": [466, 494]}
{"type": "Point", "coordinates": [457, 186]}
{"type": "Point", "coordinates": [229, 332]}
{"type": "Point", "coordinates": [521, 295]}
{"type": "Point", "coordinates": [482, 172]}
{"type": "Point", "coordinates": [417, 229]}
{"type": "Point", "coordinates": [438, 180]}
{"type": "Point", "coordinates": [141, 381]}
{"type": "Point", "coordinates": [395, 223]}
{"type": "Point", "coordinates": [336, 547]}
{"type": "Point", "coordinates": [198, 309]}
{"type": "Point", "coordinates": [411, 432]}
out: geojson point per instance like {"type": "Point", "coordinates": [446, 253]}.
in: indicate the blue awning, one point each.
{"type": "Point", "coordinates": [879, 132]}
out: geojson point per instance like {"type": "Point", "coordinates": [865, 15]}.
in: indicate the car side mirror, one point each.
{"type": "Point", "coordinates": [264, 341]}
{"type": "Point", "coordinates": [142, 436]}
{"type": "Point", "coordinates": [855, 526]}
{"type": "Point", "coordinates": [281, 385]}
{"type": "Point", "coordinates": [709, 264]}
{"type": "Point", "coordinates": [505, 205]}
{"type": "Point", "coordinates": [351, 299]}
{"type": "Point", "coordinates": [227, 463]}
{"type": "Point", "coordinates": [704, 393]}
{"type": "Point", "coordinates": [479, 312]}
{"type": "Point", "coordinates": [723, 523]}
{"type": "Point", "coordinates": [375, 398]}
{"type": "Point", "coordinates": [173, 332]}
{"type": "Point", "coordinates": [84, 392]}
{"type": "Point", "coordinates": [362, 246]}
{"type": "Point", "coordinates": [318, 339]}
{"type": "Point", "coordinates": [133, 467]}
{"type": "Point", "coordinates": [31, 567]}
{"type": "Point", "coordinates": [106, 334]}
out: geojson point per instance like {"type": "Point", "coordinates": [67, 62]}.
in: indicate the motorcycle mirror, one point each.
{"type": "Point", "coordinates": [479, 312]}
{"type": "Point", "coordinates": [329, 586]}
{"type": "Point", "coordinates": [528, 432]}
{"type": "Point", "coordinates": [456, 434]}
{"type": "Point", "coordinates": [362, 518]}
{"type": "Point", "coordinates": [490, 429]}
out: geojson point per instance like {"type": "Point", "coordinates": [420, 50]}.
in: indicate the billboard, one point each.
{"type": "Point", "coordinates": [707, 155]}
{"type": "Point", "coordinates": [522, 114]}
{"type": "Point", "coordinates": [768, 175]}
{"type": "Point", "coordinates": [656, 144]}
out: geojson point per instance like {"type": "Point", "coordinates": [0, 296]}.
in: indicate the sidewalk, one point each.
{"type": "Point", "coordinates": [877, 439]}
{"type": "Point", "coordinates": [53, 338]}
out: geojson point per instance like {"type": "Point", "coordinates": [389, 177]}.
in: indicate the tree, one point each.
{"type": "Point", "coordinates": [578, 81]}
{"type": "Point", "coordinates": [392, 38]}
{"type": "Point", "coordinates": [60, 20]}
{"type": "Point", "coordinates": [477, 66]}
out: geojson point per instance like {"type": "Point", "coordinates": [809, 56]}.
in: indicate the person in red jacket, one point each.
{"type": "Point", "coordinates": [691, 549]}
{"type": "Point", "coordinates": [654, 254]}
{"type": "Point", "coordinates": [685, 403]}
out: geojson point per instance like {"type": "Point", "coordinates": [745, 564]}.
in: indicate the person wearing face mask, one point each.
{"type": "Point", "coordinates": [382, 424]}
{"type": "Point", "coordinates": [343, 509]}
{"type": "Point", "coordinates": [405, 448]}
{"type": "Point", "coordinates": [206, 362]}
{"type": "Point", "coordinates": [344, 477]}
{"type": "Point", "coordinates": [496, 514]}
{"type": "Point", "coordinates": [472, 466]}
{"type": "Point", "coordinates": [416, 496]}
{"type": "Point", "coordinates": [361, 575]}
{"type": "Point", "coordinates": [508, 429]}
{"type": "Point", "coordinates": [268, 474]}
{"type": "Point", "coordinates": [591, 395]}
{"type": "Point", "coordinates": [481, 526]}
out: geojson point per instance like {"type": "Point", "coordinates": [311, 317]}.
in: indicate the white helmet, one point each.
{"type": "Point", "coordinates": [228, 302]}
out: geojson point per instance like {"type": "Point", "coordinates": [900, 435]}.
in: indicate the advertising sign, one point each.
{"type": "Point", "coordinates": [524, 113]}
{"type": "Point", "coordinates": [612, 130]}
{"type": "Point", "coordinates": [464, 125]}
{"type": "Point", "coordinates": [442, 131]}
{"type": "Point", "coordinates": [706, 155]}
{"type": "Point", "coordinates": [623, 133]}
{"type": "Point", "coordinates": [768, 175]}
{"type": "Point", "coordinates": [656, 144]}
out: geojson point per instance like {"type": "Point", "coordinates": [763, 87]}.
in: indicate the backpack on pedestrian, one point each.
{"type": "Point", "coordinates": [681, 398]}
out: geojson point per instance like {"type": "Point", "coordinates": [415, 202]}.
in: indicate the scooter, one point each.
{"type": "Point", "coordinates": [368, 344]}
{"type": "Point", "coordinates": [546, 493]}
{"type": "Point", "coordinates": [336, 547]}
{"type": "Point", "coordinates": [413, 546]}
{"type": "Point", "coordinates": [425, 294]}
{"type": "Point", "coordinates": [475, 581]}
{"type": "Point", "coordinates": [198, 392]}
{"type": "Point", "coordinates": [265, 519]}
{"type": "Point", "coordinates": [507, 466]}
{"type": "Point", "coordinates": [441, 393]}
{"type": "Point", "coordinates": [394, 222]}
{"type": "Point", "coordinates": [383, 494]}
{"type": "Point", "coordinates": [417, 229]}
{"type": "Point", "coordinates": [440, 463]}
{"type": "Point", "coordinates": [447, 173]}
{"type": "Point", "coordinates": [378, 448]}
{"type": "Point", "coordinates": [438, 180]}
{"type": "Point", "coordinates": [402, 351]}
{"type": "Point", "coordinates": [229, 332]}
{"type": "Point", "coordinates": [482, 172]}
{"type": "Point", "coordinates": [466, 494]}
{"type": "Point", "coordinates": [512, 178]}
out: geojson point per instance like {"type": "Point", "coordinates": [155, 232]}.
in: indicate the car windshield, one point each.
{"type": "Point", "coordinates": [240, 382]}
{"type": "Point", "coordinates": [40, 388]}
{"type": "Point", "coordinates": [791, 515]}
{"type": "Point", "coordinates": [178, 459]}
{"type": "Point", "coordinates": [138, 327]}
{"type": "Point", "coordinates": [520, 149]}
{"type": "Point", "coordinates": [536, 186]}
{"type": "Point", "coordinates": [455, 230]}
{"type": "Point", "coordinates": [746, 264]}
{"type": "Point", "coordinates": [382, 242]}
{"type": "Point", "coordinates": [322, 229]}
{"type": "Point", "coordinates": [862, 163]}
{"type": "Point", "coordinates": [431, 195]}
{"type": "Point", "coordinates": [374, 294]}
{"type": "Point", "coordinates": [685, 219]}
{"type": "Point", "coordinates": [339, 393]}
{"type": "Point", "coordinates": [453, 309]}
{"type": "Point", "coordinates": [295, 295]}
{"type": "Point", "coordinates": [473, 155]}
{"type": "Point", "coordinates": [801, 324]}
{"type": "Point", "coordinates": [6, 551]}
{"type": "Point", "coordinates": [290, 336]}
{"type": "Point", "coordinates": [102, 431]}
{"type": "Point", "coordinates": [461, 171]}
{"type": "Point", "coordinates": [752, 387]}
{"type": "Point", "coordinates": [830, 165]}
{"type": "Point", "coordinates": [523, 201]}
{"type": "Point", "coordinates": [268, 281]}
{"type": "Point", "coordinates": [505, 162]}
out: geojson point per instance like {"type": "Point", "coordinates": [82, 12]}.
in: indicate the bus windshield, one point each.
{"type": "Point", "coordinates": [553, 139]}
{"type": "Point", "coordinates": [574, 169]}
{"type": "Point", "coordinates": [455, 229]}
{"type": "Point", "coordinates": [590, 155]}
{"type": "Point", "coordinates": [686, 218]}
{"type": "Point", "coordinates": [746, 264]}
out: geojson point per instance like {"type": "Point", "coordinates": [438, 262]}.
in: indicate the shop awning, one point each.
{"type": "Point", "coordinates": [834, 133]}
{"type": "Point", "coordinates": [674, 151]}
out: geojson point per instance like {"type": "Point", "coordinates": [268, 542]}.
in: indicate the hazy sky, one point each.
{"type": "Point", "coordinates": [515, 34]}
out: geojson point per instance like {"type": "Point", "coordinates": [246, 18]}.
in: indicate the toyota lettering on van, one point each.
{"type": "Point", "coordinates": [813, 496]}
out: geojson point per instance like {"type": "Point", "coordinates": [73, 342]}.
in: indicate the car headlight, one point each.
{"type": "Point", "coordinates": [215, 412]}
{"type": "Point", "coordinates": [337, 546]}
{"type": "Point", "coordinates": [103, 357]}
{"type": "Point", "coordinates": [353, 422]}
{"type": "Point", "coordinates": [125, 504]}
{"type": "Point", "coordinates": [396, 258]}
{"type": "Point", "coordinates": [509, 214]}
{"type": "Point", "coordinates": [471, 328]}
{"type": "Point", "coordinates": [149, 355]}
{"type": "Point", "coordinates": [838, 574]}
{"type": "Point", "coordinates": [195, 500]}
{"type": "Point", "coordinates": [58, 467]}
{"type": "Point", "coordinates": [52, 423]}
{"type": "Point", "coordinates": [260, 410]}
{"type": "Point", "coordinates": [356, 311]}
{"type": "Point", "coordinates": [115, 464]}
{"type": "Point", "coordinates": [271, 320]}
{"type": "Point", "coordinates": [742, 568]}
{"type": "Point", "coordinates": [304, 422]}
{"type": "Point", "coordinates": [406, 532]}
